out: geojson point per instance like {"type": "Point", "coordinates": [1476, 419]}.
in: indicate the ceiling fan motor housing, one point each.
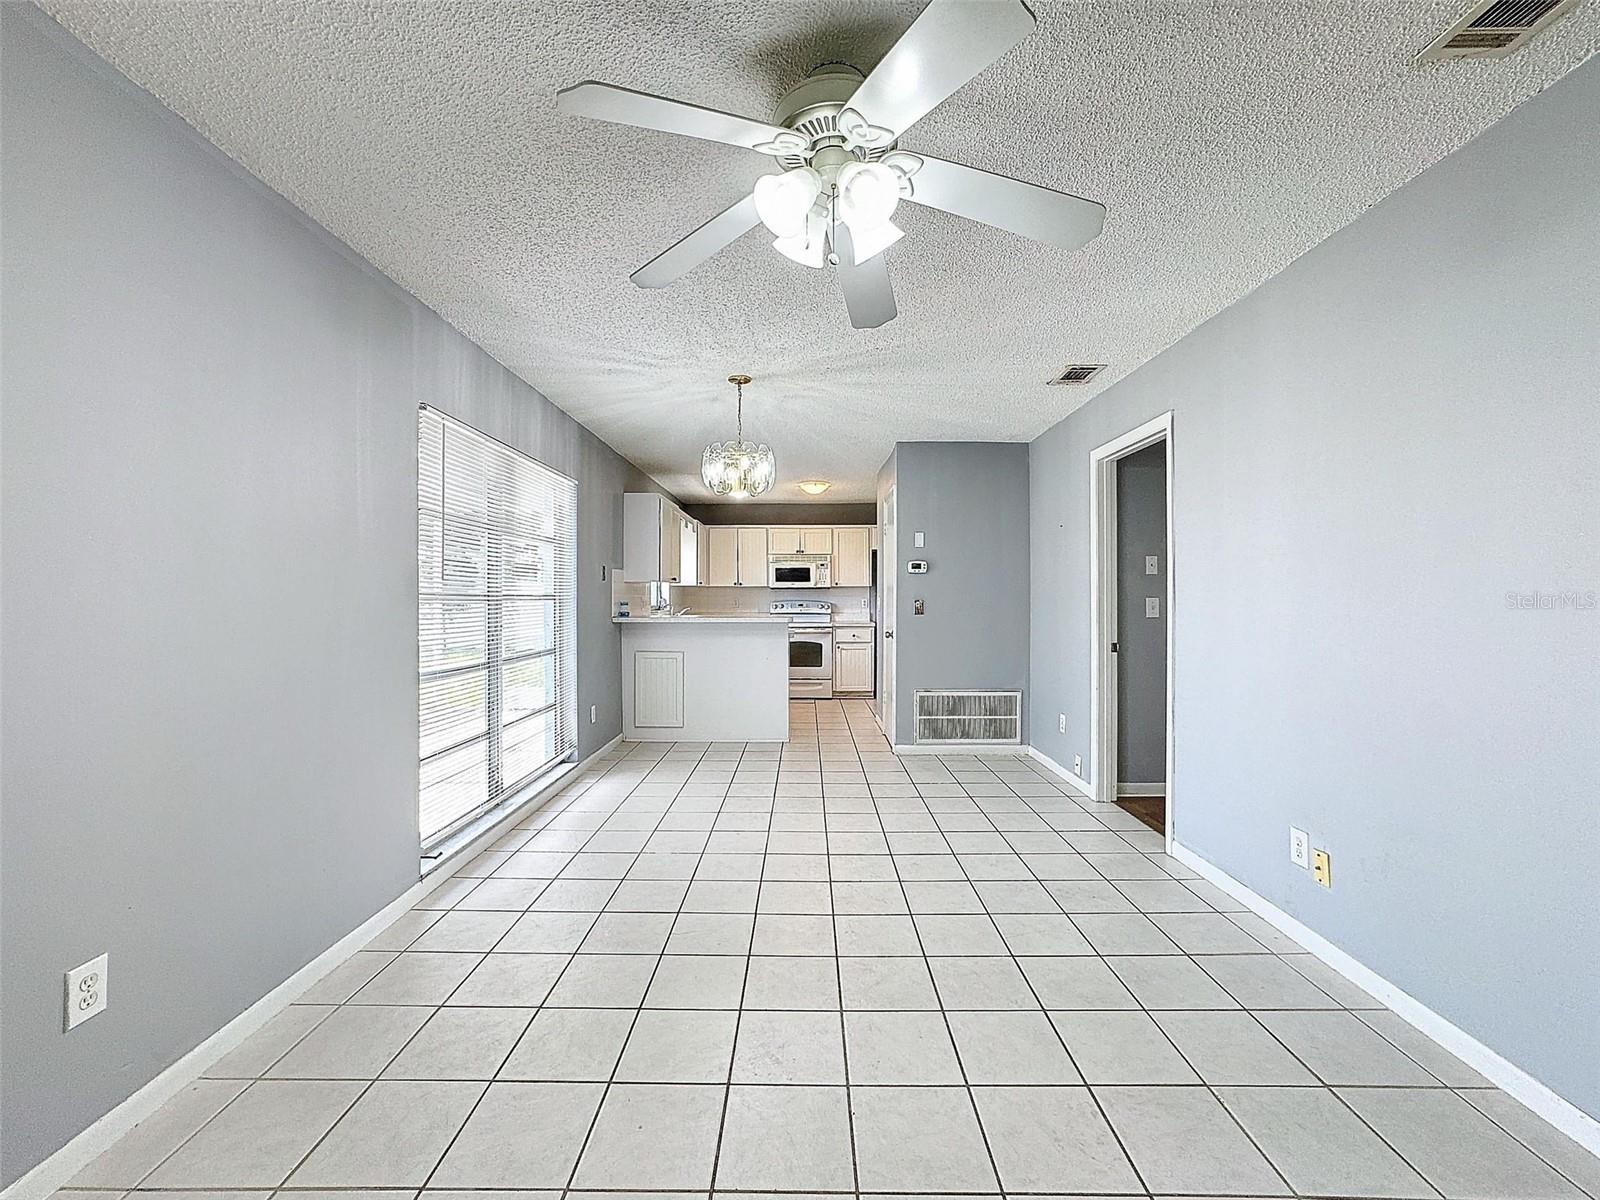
{"type": "Point", "coordinates": [812, 110]}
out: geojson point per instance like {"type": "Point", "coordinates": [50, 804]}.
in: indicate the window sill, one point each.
{"type": "Point", "coordinates": [476, 836]}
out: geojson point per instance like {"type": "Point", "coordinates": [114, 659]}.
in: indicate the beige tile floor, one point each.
{"type": "Point", "coordinates": [819, 968]}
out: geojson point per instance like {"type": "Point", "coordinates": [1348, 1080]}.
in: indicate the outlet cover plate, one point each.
{"type": "Point", "coordinates": [86, 991]}
{"type": "Point", "coordinates": [1299, 847]}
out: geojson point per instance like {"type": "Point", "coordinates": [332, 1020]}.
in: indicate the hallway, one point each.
{"type": "Point", "coordinates": [816, 968]}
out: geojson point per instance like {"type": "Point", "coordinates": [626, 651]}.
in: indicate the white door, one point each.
{"type": "Point", "coordinates": [888, 570]}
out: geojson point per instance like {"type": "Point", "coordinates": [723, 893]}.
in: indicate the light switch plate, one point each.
{"type": "Point", "coordinates": [1061, 722]}
{"type": "Point", "coordinates": [1152, 606]}
{"type": "Point", "coordinates": [916, 539]}
{"type": "Point", "coordinates": [1150, 567]}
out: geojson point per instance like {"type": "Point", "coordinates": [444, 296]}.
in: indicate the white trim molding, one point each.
{"type": "Point", "coordinates": [1510, 1078]}
{"type": "Point", "coordinates": [1141, 789]}
{"type": "Point", "coordinates": [52, 1174]}
{"type": "Point", "coordinates": [1071, 777]}
{"type": "Point", "coordinates": [1103, 607]}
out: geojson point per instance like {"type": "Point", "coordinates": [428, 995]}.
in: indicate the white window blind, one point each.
{"type": "Point", "coordinates": [497, 621]}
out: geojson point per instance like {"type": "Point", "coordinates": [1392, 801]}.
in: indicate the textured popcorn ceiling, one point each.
{"type": "Point", "coordinates": [1225, 139]}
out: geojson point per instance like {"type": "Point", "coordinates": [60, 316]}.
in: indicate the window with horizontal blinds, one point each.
{"type": "Point", "coordinates": [497, 540]}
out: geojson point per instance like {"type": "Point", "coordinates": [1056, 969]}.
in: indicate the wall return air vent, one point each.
{"type": "Point", "coordinates": [1078, 373]}
{"type": "Point", "coordinates": [1495, 28]}
{"type": "Point", "coordinates": [969, 718]}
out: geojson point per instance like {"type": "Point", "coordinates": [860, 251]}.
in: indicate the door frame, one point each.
{"type": "Point", "coordinates": [1103, 605]}
{"type": "Point", "coordinates": [888, 586]}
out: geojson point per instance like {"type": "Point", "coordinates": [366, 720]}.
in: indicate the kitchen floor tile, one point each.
{"type": "Point", "coordinates": [393, 1136]}
{"type": "Point", "coordinates": [900, 1048]}
{"type": "Point", "coordinates": [1182, 1140]}
{"type": "Point", "coordinates": [789, 1047]}
{"type": "Point", "coordinates": [259, 1138]}
{"type": "Point", "coordinates": [649, 1135]}
{"type": "Point", "coordinates": [498, 1148]}
{"type": "Point", "coordinates": [570, 1044]}
{"type": "Point", "coordinates": [786, 1138]}
{"type": "Point", "coordinates": [678, 1046]}
{"type": "Point", "coordinates": [919, 1139]}
{"type": "Point", "coordinates": [1009, 1048]}
{"type": "Point", "coordinates": [1052, 1139]}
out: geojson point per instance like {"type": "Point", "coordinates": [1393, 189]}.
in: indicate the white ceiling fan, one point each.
{"type": "Point", "coordinates": [837, 137]}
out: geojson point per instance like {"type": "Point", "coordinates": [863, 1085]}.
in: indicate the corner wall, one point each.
{"type": "Point", "coordinates": [1379, 457]}
{"type": "Point", "coordinates": [970, 500]}
{"type": "Point", "coordinates": [209, 710]}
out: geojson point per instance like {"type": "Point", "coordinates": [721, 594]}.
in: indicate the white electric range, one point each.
{"type": "Point", "coordinates": [810, 647]}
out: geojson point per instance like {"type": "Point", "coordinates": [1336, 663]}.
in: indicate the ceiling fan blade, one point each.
{"type": "Point", "coordinates": [949, 43]}
{"type": "Point", "coordinates": [606, 102]}
{"type": "Point", "coordinates": [720, 231]}
{"type": "Point", "coordinates": [1040, 213]}
{"type": "Point", "coordinates": [868, 295]}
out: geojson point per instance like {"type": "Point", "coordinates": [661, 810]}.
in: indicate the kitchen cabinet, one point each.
{"type": "Point", "coordinates": [853, 661]}
{"type": "Point", "coordinates": [660, 543]}
{"type": "Point", "coordinates": [852, 556]}
{"type": "Point", "coordinates": [753, 549]}
{"type": "Point", "coordinates": [722, 555]}
{"type": "Point", "coordinates": [800, 539]}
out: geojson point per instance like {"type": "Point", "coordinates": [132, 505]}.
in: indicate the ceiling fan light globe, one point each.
{"type": "Point", "coordinates": [868, 194]}
{"type": "Point", "coordinates": [783, 202]}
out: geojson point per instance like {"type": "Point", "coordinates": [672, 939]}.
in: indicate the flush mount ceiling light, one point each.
{"type": "Point", "coordinates": [814, 487]}
{"type": "Point", "coordinates": [739, 469]}
{"type": "Point", "coordinates": [835, 134]}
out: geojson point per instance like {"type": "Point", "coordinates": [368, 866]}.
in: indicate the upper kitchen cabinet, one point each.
{"type": "Point", "coordinates": [852, 556]}
{"type": "Point", "coordinates": [660, 543]}
{"type": "Point", "coordinates": [800, 539]}
{"type": "Point", "coordinates": [753, 552]}
{"type": "Point", "coordinates": [735, 555]}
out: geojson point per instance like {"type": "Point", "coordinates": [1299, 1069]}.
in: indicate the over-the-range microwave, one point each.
{"type": "Point", "coordinates": [797, 571]}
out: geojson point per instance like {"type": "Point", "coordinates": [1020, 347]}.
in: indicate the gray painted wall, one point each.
{"type": "Point", "coordinates": [1141, 641]}
{"type": "Point", "coordinates": [1370, 453]}
{"type": "Point", "coordinates": [209, 630]}
{"type": "Point", "coordinates": [783, 514]}
{"type": "Point", "coordinates": [970, 499]}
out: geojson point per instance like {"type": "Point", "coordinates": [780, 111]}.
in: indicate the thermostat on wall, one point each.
{"type": "Point", "coordinates": [918, 566]}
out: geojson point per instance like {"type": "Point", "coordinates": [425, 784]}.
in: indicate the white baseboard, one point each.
{"type": "Point", "coordinates": [1071, 777]}
{"type": "Point", "coordinates": [54, 1172]}
{"type": "Point", "coordinates": [1141, 789]}
{"type": "Point", "coordinates": [965, 748]}
{"type": "Point", "coordinates": [1510, 1078]}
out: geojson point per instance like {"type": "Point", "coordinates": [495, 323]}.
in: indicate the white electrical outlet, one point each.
{"type": "Point", "coordinates": [592, 709]}
{"type": "Point", "coordinates": [1152, 606]}
{"type": "Point", "coordinates": [1077, 764]}
{"type": "Point", "coordinates": [1061, 722]}
{"type": "Point", "coordinates": [1150, 567]}
{"type": "Point", "coordinates": [86, 991]}
{"type": "Point", "coordinates": [1299, 847]}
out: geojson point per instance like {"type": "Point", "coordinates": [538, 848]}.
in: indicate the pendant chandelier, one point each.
{"type": "Point", "coordinates": [738, 468]}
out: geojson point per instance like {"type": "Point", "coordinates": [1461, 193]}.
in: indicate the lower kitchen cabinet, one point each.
{"type": "Point", "coordinates": [853, 666]}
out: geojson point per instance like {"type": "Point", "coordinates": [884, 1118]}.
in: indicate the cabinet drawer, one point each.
{"type": "Point", "coordinates": [852, 633]}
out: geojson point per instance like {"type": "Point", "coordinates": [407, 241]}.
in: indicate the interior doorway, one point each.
{"type": "Point", "coordinates": [1131, 571]}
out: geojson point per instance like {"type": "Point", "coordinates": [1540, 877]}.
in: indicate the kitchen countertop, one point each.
{"type": "Point", "coordinates": [703, 619]}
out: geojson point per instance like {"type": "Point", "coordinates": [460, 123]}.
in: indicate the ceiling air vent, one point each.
{"type": "Point", "coordinates": [1078, 373]}
{"type": "Point", "coordinates": [1495, 28]}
